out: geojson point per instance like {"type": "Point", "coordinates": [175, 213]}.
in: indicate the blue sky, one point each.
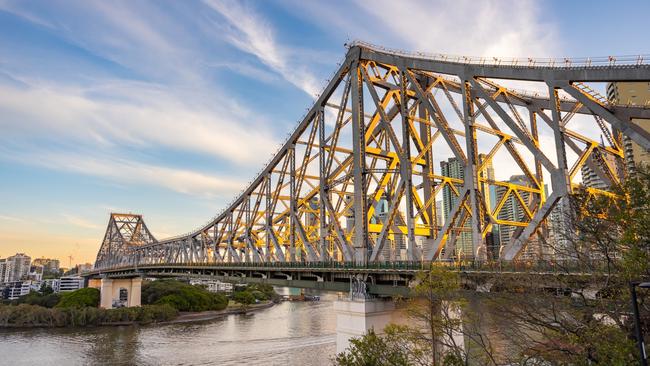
{"type": "Point", "coordinates": [168, 108]}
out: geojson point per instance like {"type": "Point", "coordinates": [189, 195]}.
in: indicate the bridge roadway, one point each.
{"type": "Point", "coordinates": [381, 279]}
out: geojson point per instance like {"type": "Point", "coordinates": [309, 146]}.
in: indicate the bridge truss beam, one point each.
{"type": "Point", "coordinates": [358, 180]}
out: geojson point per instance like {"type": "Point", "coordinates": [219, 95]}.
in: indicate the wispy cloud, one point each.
{"type": "Point", "coordinates": [132, 114]}
{"type": "Point", "coordinates": [252, 33]}
{"type": "Point", "coordinates": [488, 28]}
{"type": "Point", "coordinates": [11, 218]}
{"type": "Point", "coordinates": [123, 170]}
{"type": "Point", "coordinates": [462, 27]}
{"type": "Point", "coordinates": [80, 222]}
{"type": "Point", "coordinates": [247, 70]}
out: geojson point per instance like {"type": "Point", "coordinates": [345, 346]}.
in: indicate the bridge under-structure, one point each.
{"type": "Point", "coordinates": [404, 158]}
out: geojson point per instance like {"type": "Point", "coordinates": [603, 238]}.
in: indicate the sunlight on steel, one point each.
{"type": "Point", "coordinates": [392, 134]}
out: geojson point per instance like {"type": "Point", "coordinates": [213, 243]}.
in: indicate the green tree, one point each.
{"type": "Point", "coordinates": [609, 238]}
{"type": "Point", "coordinates": [34, 298]}
{"type": "Point", "coordinates": [45, 289]}
{"type": "Point", "coordinates": [439, 326]}
{"type": "Point", "coordinates": [182, 296]}
{"type": "Point", "coordinates": [374, 350]}
{"type": "Point", "coordinates": [245, 298]}
{"type": "Point", "coordinates": [85, 297]}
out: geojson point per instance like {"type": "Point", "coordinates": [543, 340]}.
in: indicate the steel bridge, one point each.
{"type": "Point", "coordinates": [358, 179]}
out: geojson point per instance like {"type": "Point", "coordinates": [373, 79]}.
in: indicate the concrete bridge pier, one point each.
{"type": "Point", "coordinates": [355, 317]}
{"type": "Point", "coordinates": [122, 292]}
{"type": "Point", "coordinates": [358, 312]}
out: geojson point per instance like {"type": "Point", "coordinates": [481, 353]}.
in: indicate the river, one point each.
{"type": "Point", "coordinates": [290, 333]}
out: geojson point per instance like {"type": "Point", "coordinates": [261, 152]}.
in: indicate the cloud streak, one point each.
{"type": "Point", "coordinates": [132, 114]}
{"type": "Point", "coordinates": [459, 27]}
{"type": "Point", "coordinates": [123, 170]}
{"type": "Point", "coordinates": [80, 222]}
{"type": "Point", "coordinates": [253, 34]}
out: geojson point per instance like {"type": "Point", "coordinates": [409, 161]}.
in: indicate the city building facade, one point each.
{"type": "Point", "coordinates": [69, 283]}
{"type": "Point", "coordinates": [632, 93]}
{"type": "Point", "coordinates": [15, 268]}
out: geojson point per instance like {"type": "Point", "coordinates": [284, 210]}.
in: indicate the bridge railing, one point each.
{"type": "Point", "coordinates": [560, 62]}
{"type": "Point", "coordinates": [557, 267]}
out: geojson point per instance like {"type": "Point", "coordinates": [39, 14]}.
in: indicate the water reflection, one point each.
{"type": "Point", "coordinates": [290, 333]}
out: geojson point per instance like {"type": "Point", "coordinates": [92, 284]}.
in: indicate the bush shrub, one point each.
{"type": "Point", "coordinates": [48, 300]}
{"type": "Point", "coordinates": [25, 315]}
{"type": "Point", "coordinates": [243, 297]}
{"type": "Point", "coordinates": [182, 296]}
{"type": "Point", "coordinates": [85, 297]}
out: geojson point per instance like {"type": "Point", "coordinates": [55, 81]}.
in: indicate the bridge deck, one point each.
{"type": "Point", "coordinates": [385, 279]}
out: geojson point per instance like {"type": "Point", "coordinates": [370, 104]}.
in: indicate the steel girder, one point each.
{"type": "Point", "coordinates": [124, 233]}
{"type": "Point", "coordinates": [357, 180]}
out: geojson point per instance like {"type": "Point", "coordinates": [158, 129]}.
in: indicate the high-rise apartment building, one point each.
{"type": "Point", "coordinates": [633, 93]}
{"type": "Point", "coordinates": [49, 265]}
{"type": "Point", "coordinates": [453, 168]}
{"type": "Point", "coordinates": [589, 176]}
{"type": "Point", "coordinates": [4, 270]}
{"type": "Point", "coordinates": [561, 233]}
{"type": "Point", "coordinates": [512, 209]}
{"type": "Point", "coordinates": [15, 268]}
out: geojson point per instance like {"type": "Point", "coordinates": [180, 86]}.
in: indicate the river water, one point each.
{"type": "Point", "coordinates": [290, 333]}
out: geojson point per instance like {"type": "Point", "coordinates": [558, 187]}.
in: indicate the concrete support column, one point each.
{"type": "Point", "coordinates": [135, 293]}
{"type": "Point", "coordinates": [106, 294]}
{"type": "Point", "coordinates": [110, 292]}
{"type": "Point", "coordinates": [355, 317]}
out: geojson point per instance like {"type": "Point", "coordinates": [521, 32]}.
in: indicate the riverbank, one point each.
{"type": "Point", "coordinates": [93, 317]}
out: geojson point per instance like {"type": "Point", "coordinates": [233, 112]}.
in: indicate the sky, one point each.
{"type": "Point", "coordinates": [168, 108]}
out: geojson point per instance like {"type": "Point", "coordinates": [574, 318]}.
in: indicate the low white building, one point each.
{"type": "Point", "coordinates": [213, 286]}
{"type": "Point", "coordinates": [69, 283]}
{"type": "Point", "coordinates": [14, 290]}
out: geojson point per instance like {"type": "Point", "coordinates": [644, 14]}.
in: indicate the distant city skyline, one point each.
{"type": "Point", "coordinates": [167, 109]}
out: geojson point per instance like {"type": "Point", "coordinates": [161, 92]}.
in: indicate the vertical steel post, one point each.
{"type": "Point", "coordinates": [323, 186]}
{"type": "Point", "coordinates": [559, 180]}
{"type": "Point", "coordinates": [427, 170]}
{"type": "Point", "coordinates": [269, 218]}
{"type": "Point", "coordinates": [292, 203]}
{"type": "Point", "coordinates": [471, 173]}
{"type": "Point", "coordinates": [406, 169]}
{"type": "Point", "coordinates": [359, 162]}
{"type": "Point", "coordinates": [539, 175]}
{"type": "Point", "coordinates": [246, 206]}
{"type": "Point", "coordinates": [230, 238]}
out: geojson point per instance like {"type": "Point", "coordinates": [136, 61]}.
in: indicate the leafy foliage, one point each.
{"type": "Point", "coordinates": [259, 291]}
{"type": "Point", "coordinates": [182, 296]}
{"type": "Point", "coordinates": [48, 300]}
{"type": "Point", "coordinates": [374, 350]}
{"type": "Point", "coordinates": [244, 297]}
{"type": "Point", "coordinates": [435, 334]}
{"type": "Point", "coordinates": [85, 297]}
{"type": "Point", "coordinates": [25, 315]}
{"type": "Point", "coordinates": [609, 238]}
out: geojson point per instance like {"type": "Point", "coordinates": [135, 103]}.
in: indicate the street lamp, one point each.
{"type": "Point", "coordinates": [637, 320]}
